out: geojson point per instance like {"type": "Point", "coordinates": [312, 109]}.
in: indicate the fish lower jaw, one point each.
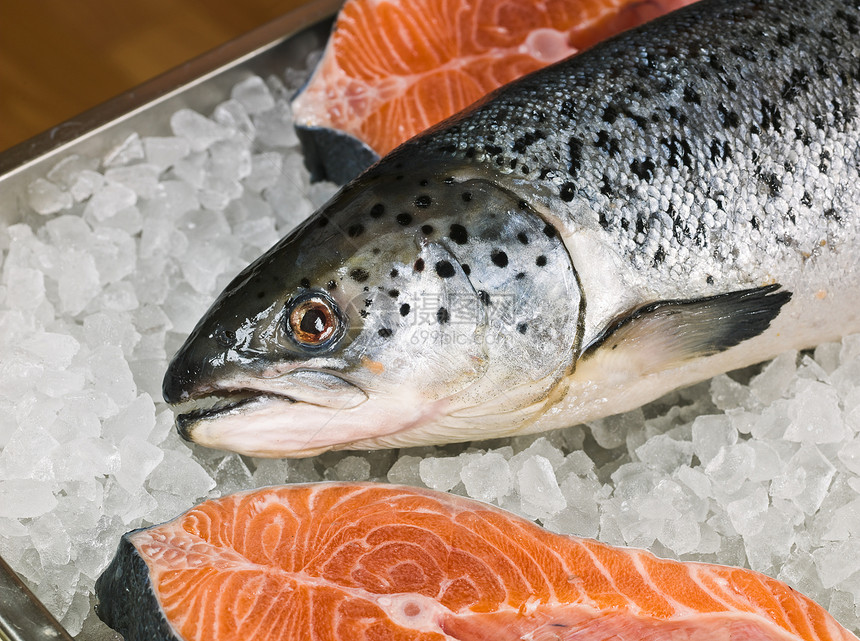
{"type": "Point", "coordinates": [216, 405]}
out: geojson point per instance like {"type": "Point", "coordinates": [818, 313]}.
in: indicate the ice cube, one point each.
{"type": "Point", "coordinates": [815, 415]}
{"type": "Point", "coordinates": [538, 488]}
{"type": "Point", "coordinates": [232, 475]}
{"type": "Point", "coordinates": [727, 393]}
{"type": "Point", "coordinates": [228, 161]}
{"type": "Point", "coordinates": [232, 115]}
{"type": "Point", "coordinates": [197, 129]}
{"type": "Point", "coordinates": [253, 94]}
{"type": "Point", "coordinates": [440, 473]}
{"type": "Point", "coordinates": [108, 200]}
{"type": "Point", "coordinates": [275, 127]}
{"type": "Point", "coordinates": [581, 517]}
{"type": "Point", "coordinates": [141, 178]}
{"type": "Point", "coordinates": [86, 184]}
{"type": "Point", "coordinates": [487, 477]}
{"type": "Point", "coordinates": [405, 471]}
{"type": "Point", "coordinates": [25, 498]}
{"type": "Point", "coordinates": [774, 380]}
{"type": "Point", "coordinates": [747, 513]}
{"type": "Point", "coordinates": [271, 472]}
{"type": "Point", "coordinates": [25, 287]}
{"type": "Point", "coordinates": [110, 329]}
{"type": "Point", "coordinates": [78, 281]}
{"type": "Point", "coordinates": [135, 420]}
{"type": "Point", "coordinates": [111, 374]}
{"type": "Point", "coordinates": [46, 198]}
{"type": "Point", "coordinates": [163, 152]}
{"type": "Point", "coordinates": [696, 480]}
{"type": "Point", "coordinates": [665, 453]}
{"type": "Point", "coordinates": [65, 173]}
{"type": "Point", "coordinates": [51, 540]}
{"type": "Point", "coordinates": [837, 561]}
{"type": "Point", "coordinates": [730, 467]}
{"type": "Point", "coordinates": [191, 169]}
{"type": "Point", "coordinates": [351, 468]}
{"type": "Point", "coordinates": [849, 454]}
{"type": "Point", "coordinates": [711, 433]}
{"type": "Point", "coordinates": [129, 150]}
{"type": "Point", "coordinates": [180, 476]}
{"type": "Point", "coordinates": [806, 478]}
{"type": "Point", "coordinates": [611, 432]}
{"type": "Point", "coordinates": [266, 168]}
{"type": "Point", "coordinates": [827, 355]}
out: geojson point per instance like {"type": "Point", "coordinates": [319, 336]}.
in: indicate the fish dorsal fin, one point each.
{"type": "Point", "coordinates": [666, 333]}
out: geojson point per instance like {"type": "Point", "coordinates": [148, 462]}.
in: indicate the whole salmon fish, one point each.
{"type": "Point", "coordinates": [676, 202]}
{"type": "Point", "coordinates": [361, 562]}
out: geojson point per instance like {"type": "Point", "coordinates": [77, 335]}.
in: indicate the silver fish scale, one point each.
{"type": "Point", "coordinates": [718, 145]}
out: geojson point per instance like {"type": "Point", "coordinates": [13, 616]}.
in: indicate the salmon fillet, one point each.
{"type": "Point", "coordinates": [362, 561]}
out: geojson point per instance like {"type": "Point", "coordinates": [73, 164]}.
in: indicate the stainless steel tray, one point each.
{"type": "Point", "coordinates": [199, 84]}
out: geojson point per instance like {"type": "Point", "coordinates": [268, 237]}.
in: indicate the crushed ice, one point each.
{"type": "Point", "coordinates": [117, 258]}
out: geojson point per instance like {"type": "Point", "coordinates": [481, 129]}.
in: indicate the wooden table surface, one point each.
{"type": "Point", "coordinates": [61, 57]}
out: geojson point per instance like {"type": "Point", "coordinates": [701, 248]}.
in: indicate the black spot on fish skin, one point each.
{"type": "Point", "coordinates": [549, 231]}
{"type": "Point", "coordinates": [442, 315]}
{"type": "Point", "coordinates": [384, 332]}
{"type": "Point", "coordinates": [354, 231]}
{"type": "Point", "coordinates": [404, 309]}
{"type": "Point", "coordinates": [377, 210]}
{"type": "Point", "coordinates": [610, 114]}
{"type": "Point", "coordinates": [466, 269]}
{"type": "Point", "coordinates": [394, 293]}
{"type": "Point", "coordinates": [419, 265]}
{"type": "Point", "coordinates": [806, 199]}
{"type": "Point", "coordinates": [729, 118]}
{"type": "Point", "coordinates": [774, 184]}
{"type": "Point", "coordinates": [691, 95]}
{"type": "Point", "coordinates": [368, 302]}
{"type": "Point", "coordinates": [574, 146]}
{"type": "Point", "coordinates": [493, 150]}
{"type": "Point", "coordinates": [567, 192]}
{"type": "Point", "coordinates": [659, 256]}
{"type": "Point", "coordinates": [484, 297]}
{"type": "Point", "coordinates": [709, 279]}
{"type": "Point", "coordinates": [522, 328]}
{"type": "Point", "coordinates": [304, 282]}
{"type": "Point", "coordinates": [523, 238]}
{"type": "Point", "coordinates": [643, 169]}
{"type": "Point", "coordinates": [359, 275]}
{"type": "Point", "coordinates": [394, 273]}
{"type": "Point", "coordinates": [323, 221]}
{"type": "Point", "coordinates": [445, 269]}
{"type": "Point", "coordinates": [499, 258]}
{"type": "Point", "coordinates": [331, 285]}
{"type": "Point", "coordinates": [540, 261]}
{"type": "Point", "coordinates": [261, 294]}
{"type": "Point", "coordinates": [606, 143]}
{"type": "Point", "coordinates": [520, 275]}
{"type": "Point", "coordinates": [466, 196]}
{"type": "Point", "coordinates": [404, 219]}
{"type": "Point", "coordinates": [423, 201]}
{"type": "Point", "coordinates": [458, 234]}
{"type": "Point", "coordinates": [426, 229]}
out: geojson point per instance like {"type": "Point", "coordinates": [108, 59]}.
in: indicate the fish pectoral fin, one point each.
{"type": "Point", "coordinates": [666, 333]}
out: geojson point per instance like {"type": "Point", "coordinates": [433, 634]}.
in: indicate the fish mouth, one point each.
{"type": "Point", "coordinates": [267, 417]}
{"type": "Point", "coordinates": [220, 404]}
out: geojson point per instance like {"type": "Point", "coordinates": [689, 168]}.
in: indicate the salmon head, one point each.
{"type": "Point", "coordinates": [414, 308]}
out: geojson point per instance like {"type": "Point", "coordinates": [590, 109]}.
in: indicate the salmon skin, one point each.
{"type": "Point", "coordinates": [674, 203]}
{"type": "Point", "coordinates": [355, 561]}
{"type": "Point", "coordinates": [393, 68]}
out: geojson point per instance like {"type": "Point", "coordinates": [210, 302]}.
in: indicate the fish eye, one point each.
{"type": "Point", "coordinates": [313, 320]}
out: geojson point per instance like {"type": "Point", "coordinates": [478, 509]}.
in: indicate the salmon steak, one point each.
{"type": "Point", "coordinates": [363, 561]}
{"type": "Point", "coordinates": [393, 68]}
